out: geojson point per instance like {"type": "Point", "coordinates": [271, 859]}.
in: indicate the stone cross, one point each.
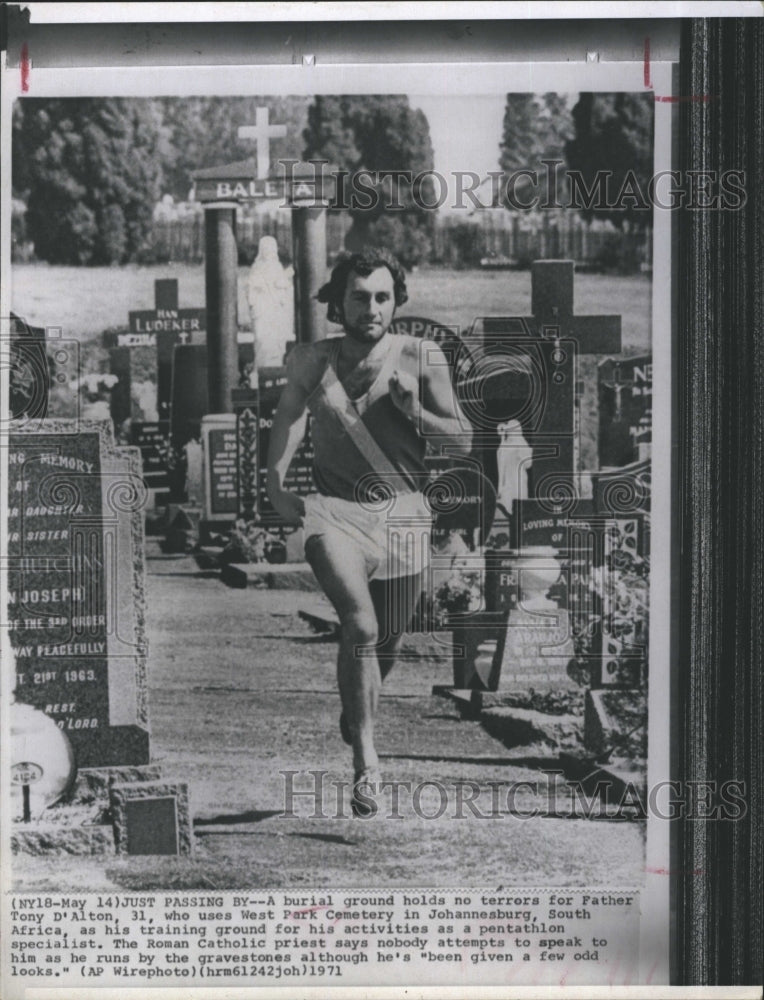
{"type": "Point", "coordinates": [262, 133]}
{"type": "Point", "coordinates": [550, 425]}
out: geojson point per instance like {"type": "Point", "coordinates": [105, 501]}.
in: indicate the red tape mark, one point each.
{"type": "Point", "coordinates": [669, 99]}
{"type": "Point", "coordinates": [24, 65]}
{"type": "Point", "coordinates": [648, 81]}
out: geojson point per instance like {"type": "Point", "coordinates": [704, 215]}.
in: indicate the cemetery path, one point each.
{"type": "Point", "coordinates": [240, 691]}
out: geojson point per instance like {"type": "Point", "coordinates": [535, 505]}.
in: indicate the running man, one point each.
{"type": "Point", "coordinates": [375, 399]}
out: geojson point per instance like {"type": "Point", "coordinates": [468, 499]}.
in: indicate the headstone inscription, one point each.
{"type": "Point", "coordinates": [152, 439]}
{"type": "Point", "coordinates": [220, 503]}
{"type": "Point", "coordinates": [625, 391]}
{"type": "Point", "coordinates": [75, 586]}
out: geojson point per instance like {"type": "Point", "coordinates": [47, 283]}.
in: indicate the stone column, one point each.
{"type": "Point", "coordinates": [221, 262]}
{"type": "Point", "coordinates": [309, 252]}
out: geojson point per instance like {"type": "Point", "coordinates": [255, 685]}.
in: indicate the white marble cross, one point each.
{"type": "Point", "coordinates": [262, 133]}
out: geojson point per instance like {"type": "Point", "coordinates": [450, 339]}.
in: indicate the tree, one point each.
{"type": "Point", "coordinates": [89, 171]}
{"type": "Point", "coordinates": [376, 133]}
{"type": "Point", "coordinates": [202, 132]}
{"type": "Point", "coordinates": [612, 148]}
{"type": "Point", "coordinates": [536, 128]}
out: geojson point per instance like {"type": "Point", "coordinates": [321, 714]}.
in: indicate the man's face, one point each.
{"type": "Point", "coordinates": [368, 305]}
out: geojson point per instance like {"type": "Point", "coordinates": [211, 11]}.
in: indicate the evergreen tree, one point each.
{"type": "Point", "coordinates": [375, 133]}
{"type": "Point", "coordinates": [536, 129]}
{"type": "Point", "coordinates": [89, 171]}
{"type": "Point", "coordinates": [613, 147]}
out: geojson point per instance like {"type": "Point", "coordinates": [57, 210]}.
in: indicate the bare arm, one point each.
{"type": "Point", "coordinates": [437, 414]}
{"type": "Point", "coordinates": [287, 432]}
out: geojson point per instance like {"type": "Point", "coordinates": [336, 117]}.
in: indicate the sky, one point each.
{"type": "Point", "coordinates": [465, 130]}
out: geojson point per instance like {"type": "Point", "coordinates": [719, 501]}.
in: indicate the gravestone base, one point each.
{"type": "Point", "coordinates": [269, 576]}
{"type": "Point", "coordinates": [476, 646]}
{"type": "Point", "coordinates": [94, 782]}
{"type": "Point", "coordinates": [619, 784]}
{"type": "Point", "coordinates": [45, 837]}
{"type": "Point", "coordinates": [524, 726]}
{"type": "Point", "coordinates": [615, 723]}
{"type": "Point", "coordinates": [80, 824]}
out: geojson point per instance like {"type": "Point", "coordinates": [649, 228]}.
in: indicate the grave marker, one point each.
{"type": "Point", "coordinates": [220, 504]}
{"type": "Point", "coordinates": [625, 391]}
{"type": "Point", "coordinates": [29, 375]}
{"type": "Point", "coordinates": [164, 326]}
{"type": "Point", "coordinates": [524, 376]}
{"type": "Point", "coordinates": [151, 817]}
{"type": "Point", "coordinates": [76, 586]}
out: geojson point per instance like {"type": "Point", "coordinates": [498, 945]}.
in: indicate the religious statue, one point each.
{"type": "Point", "coordinates": [513, 458]}
{"type": "Point", "coordinates": [270, 296]}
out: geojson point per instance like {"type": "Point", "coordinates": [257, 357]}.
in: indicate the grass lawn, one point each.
{"type": "Point", "coordinates": [85, 301]}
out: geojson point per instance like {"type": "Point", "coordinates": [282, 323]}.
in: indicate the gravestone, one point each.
{"type": "Point", "coordinates": [524, 376]}
{"type": "Point", "coordinates": [255, 412]}
{"type": "Point", "coordinates": [76, 586]}
{"type": "Point", "coordinates": [148, 347]}
{"type": "Point", "coordinates": [151, 817]}
{"type": "Point", "coordinates": [152, 439]}
{"type": "Point", "coordinates": [625, 392]}
{"type": "Point", "coordinates": [220, 479]}
{"type": "Point", "coordinates": [158, 329]}
{"type": "Point", "coordinates": [29, 372]}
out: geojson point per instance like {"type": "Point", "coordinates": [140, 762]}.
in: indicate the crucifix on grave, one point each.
{"type": "Point", "coordinates": [526, 372]}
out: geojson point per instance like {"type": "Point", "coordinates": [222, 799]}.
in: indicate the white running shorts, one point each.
{"type": "Point", "coordinates": [394, 534]}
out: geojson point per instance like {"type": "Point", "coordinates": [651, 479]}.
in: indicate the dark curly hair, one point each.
{"type": "Point", "coordinates": [364, 262]}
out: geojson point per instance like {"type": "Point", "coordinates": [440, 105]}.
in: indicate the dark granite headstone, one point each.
{"type": "Point", "coordinates": [625, 390]}
{"type": "Point", "coordinates": [220, 477]}
{"type": "Point", "coordinates": [152, 439]}
{"type": "Point", "coordinates": [76, 586]}
{"type": "Point", "coordinates": [300, 476]}
{"type": "Point", "coordinates": [29, 374]}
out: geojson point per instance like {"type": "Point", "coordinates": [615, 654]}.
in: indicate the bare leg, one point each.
{"type": "Point", "coordinates": [341, 571]}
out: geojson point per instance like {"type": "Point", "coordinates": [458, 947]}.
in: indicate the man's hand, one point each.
{"type": "Point", "coordinates": [290, 506]}
{"type": "Point", "coordinates": [404, 391]}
